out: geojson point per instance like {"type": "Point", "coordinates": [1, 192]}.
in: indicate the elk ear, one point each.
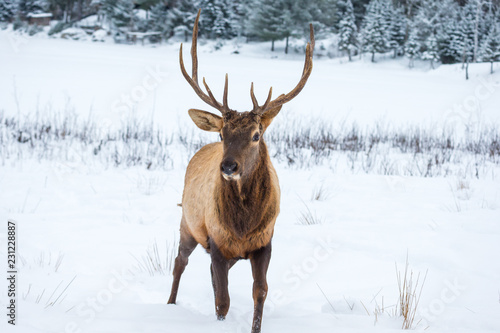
{"type": "Point", "coordinates": [205, 120]}
{"type": "Point", "coordinates": [268, 117]}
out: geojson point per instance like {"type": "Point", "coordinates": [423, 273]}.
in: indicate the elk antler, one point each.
{"type": "Point", "coordinates": [193, 79]}
{"type": "Point", "coordinates": [224, 108]}
{"type": "Point", "coordinates": [282, 99]}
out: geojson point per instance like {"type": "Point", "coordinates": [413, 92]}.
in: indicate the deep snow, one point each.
{"type": "Point", "coordinates": [330, 276]}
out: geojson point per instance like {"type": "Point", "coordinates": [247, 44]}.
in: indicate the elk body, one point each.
{"type": "Point", "coordinates": [231, 195]}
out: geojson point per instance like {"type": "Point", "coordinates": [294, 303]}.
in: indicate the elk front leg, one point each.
{"type": "Point", "coordinates": [219, 269]}
{"type": "Point", "coordinates": [260, 262]}
{"type": "Point", "coordinates": [186, 246]}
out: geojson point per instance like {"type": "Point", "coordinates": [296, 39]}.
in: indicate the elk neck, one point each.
{"type": "Point", "coordinates": [242, 204]}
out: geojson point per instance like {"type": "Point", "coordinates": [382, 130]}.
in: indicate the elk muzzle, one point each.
{"type": "Point", "coordinates": [229, 169]}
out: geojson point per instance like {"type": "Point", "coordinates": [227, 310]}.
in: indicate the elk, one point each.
{"type": "Point", "coordinates": [231, 196]}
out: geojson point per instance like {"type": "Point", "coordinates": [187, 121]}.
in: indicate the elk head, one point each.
{"type": "Point", "coordinates": [241, 132]}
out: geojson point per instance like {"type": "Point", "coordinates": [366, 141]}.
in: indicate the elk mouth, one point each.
{"type": "Point", "coordinates": [231, 176]}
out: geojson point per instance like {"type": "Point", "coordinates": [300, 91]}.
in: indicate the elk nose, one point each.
{"type": "Point", "coordinates": [229, 167]}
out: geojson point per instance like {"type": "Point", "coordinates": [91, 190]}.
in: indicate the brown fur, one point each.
{"type": "Point", "coordinates": [239, 215]}
{"type": "Point", "coordinates": [231, 195]}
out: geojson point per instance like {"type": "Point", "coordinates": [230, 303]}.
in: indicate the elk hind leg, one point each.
{"type": "Point", "coordinates": [186, 246]}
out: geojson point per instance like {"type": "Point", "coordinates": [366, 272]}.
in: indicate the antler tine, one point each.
{"type": "Point", "coordinates": [306, 72]}
{"type": "Point", "coordinates": [194, 49]}
{"type": "Point", "coordinates": [268, 99]}
{"type": "Point", "coordinates": [193, 79]}
{"type": "Point", "coordinates": [254, 99]}
{"type": "Point", "coordinates": [214, 101]}
{"type": "Point", "coordinates": [224, 97]}
{"type": "Point", "coordinates": [260, 109]}
{"type": "Point", "coordinates": [312, 43]}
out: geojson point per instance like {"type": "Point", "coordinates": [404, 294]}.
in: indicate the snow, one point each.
{"type": "Point", "coordinates": [99, 35]}
{"type": "Point", "coordinates": [39, 15]}
{"type": "Point", "coordinates": [152, 83]}
{"type": "Point", "coordinates": [322, 277]}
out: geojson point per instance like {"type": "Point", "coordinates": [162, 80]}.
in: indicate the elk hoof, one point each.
{"type": "Point", "coordinates": [221, 317]}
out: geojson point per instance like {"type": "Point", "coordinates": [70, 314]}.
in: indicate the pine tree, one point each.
{"type": "Point", "coordinates": [426, 19]}
{"type": "Point", "coordinates": [450, 42]}
{"type": "Point", "coordinates": [217, 19]}
{"type": "Point", "coordinates": [412, 48]}
{"type": "Point", "coordinates": [347, 30]}
{"type": "Point", "coordinates": [397, 32]}
{"type": "Point", "coordinates": [269, 20]}
{"type": "Point", "coordinates": [181, 17]}
{"type": "Point", "coordinates": [239, 17]}
{"type": "Point", "coordinates": [323, 15]}
{"type": "Point", "coordinates": [467, 29]}
{"type": "Point", "coordinates": [490, 50]}
{"type": "Point", "coordinates": [487, 21]}
{"type": "Point", "coordinates": [7, 10]}
{"type": "Point", "coordinates": [159, 20]}
{"type": "Point", "coordinates": [123, 14]}
{"type": "Point", "coordinates": [107, 9]}
{"type": "Point", "coordinates": [432, 51]}
{"type": "Point", "coordinates": [26, 7]}
{"type": "Point", "coordinates": [375, 34]}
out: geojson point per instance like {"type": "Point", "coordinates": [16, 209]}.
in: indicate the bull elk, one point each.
{"type": "Point", "coordinates": [231, 195]}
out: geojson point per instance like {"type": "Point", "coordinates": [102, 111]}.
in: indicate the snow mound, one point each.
{"type": "Point", "coordinates": [99, 35]}
{"type": "Point", "coordinates": [74, 34]}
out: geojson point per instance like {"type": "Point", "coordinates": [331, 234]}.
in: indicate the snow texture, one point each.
{"type": "Point", "coordinates": [93, 228]}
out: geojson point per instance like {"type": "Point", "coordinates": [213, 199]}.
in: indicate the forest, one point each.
{"type": "Point", "coordinates": [447, 31]}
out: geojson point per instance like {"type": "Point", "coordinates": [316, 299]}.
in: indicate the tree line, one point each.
{"type": "Point", "coordinates": [449, 31]}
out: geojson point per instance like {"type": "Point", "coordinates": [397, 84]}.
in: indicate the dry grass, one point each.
{"type": "Point", "coordinates": [409, 295]}
{"type": "Point", "coordinates": [320, 193]}
{"type": "Point", "coordinates": [307, 217]}
{"type": "Point", "coordinates": [43, 260]}
{"type": "Point", "coordinates": [154, 262]}
{"type": "Point", "coordinates": [380, 150]}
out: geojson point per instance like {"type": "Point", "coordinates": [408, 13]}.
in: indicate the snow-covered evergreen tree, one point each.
{"type": "Point", "coordinates": [239, 17]}
{"type": "Point", "coordinates": [106, 10]}
{"type": "Point", "coordinates": [467, 28]}
{"type": "Point", "coordinates": [26, 7]}
{"type": "Point", "coordinates": [269, 20]}
{"type": "Point", "coordinates": [431, 18]}
{"type": "Point", "coordinates": [397, 31]}
{"type": "Point", "coordinates": [217, 20]}
{"type": "Point", "coordinates": [181, 17]}
{"type": "Point", "coordinates": [450, 42]}
{"type": "Point", "coordinates": [159, 20]}
{"type": "Point", "coordinates": [387, 11]}
{"type": "Point", "coordinates": [347, 30]}
{"type": "Point", "coordinates": [7, 10]}
{"type": "Point", "coordinates": [488, 20]}
{"type": "Point", "coordinates": [123, 15]}
{"type": "Point", "coordinates": [426, 19]}
{"type": "Point", "coordinates": [490, 50]}
{"type": "Point", "coordinates": [431, 50]}
{"type": "Point", "coordinates": [323, 15]}
{"type": "Point", "coordinates": [375, 34]}
{"type": "Point", "coordinates": [412, 48]}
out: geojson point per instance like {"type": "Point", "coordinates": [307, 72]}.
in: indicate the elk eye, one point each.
{"type": "Point", "coordinates": [256, 137]}
{"type": "Point", "coordinates": [220, 136]}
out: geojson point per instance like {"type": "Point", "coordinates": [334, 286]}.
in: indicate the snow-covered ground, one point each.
{"type": "Point", "coordinates": [86, 231]}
